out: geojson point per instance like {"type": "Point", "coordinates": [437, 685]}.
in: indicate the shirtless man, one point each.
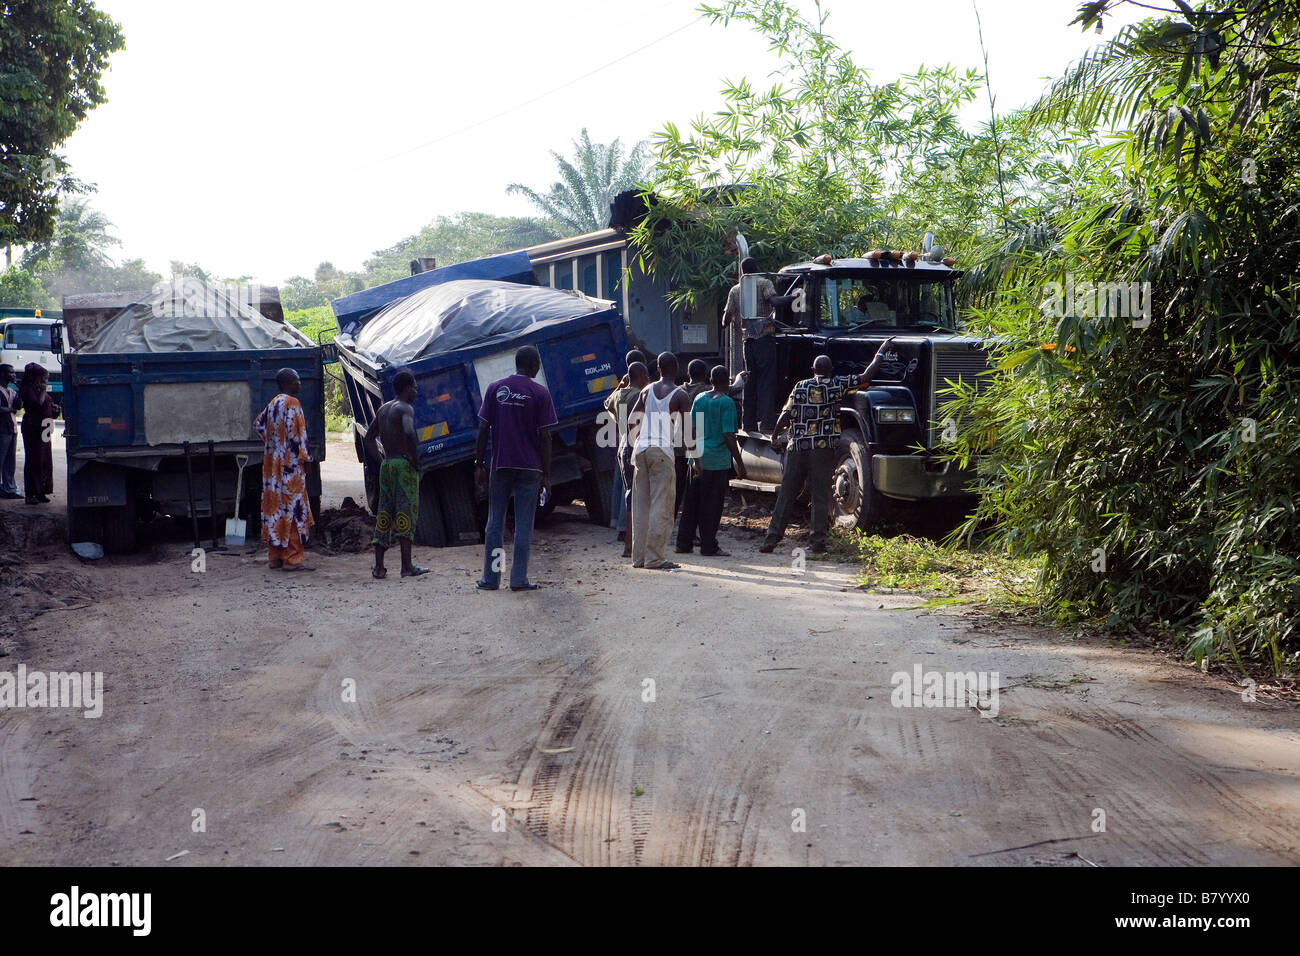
{"type": "Point", "coordinates": [392, 433]}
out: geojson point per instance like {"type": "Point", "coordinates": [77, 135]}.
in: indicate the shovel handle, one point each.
{"type": "Point", "coordinates": [242, 462]}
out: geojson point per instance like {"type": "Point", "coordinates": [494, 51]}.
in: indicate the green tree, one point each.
{"type": "Point", "coordinates": [52, 53]}
{"type": "Point", "coordinates": [79, 243]}
{"type": "Point", "coordinates": [1154, 457]}
{"type": "Point", "coordinates": [19, 289]}
{"type": "Point", "coordinates": [457, 238]}
{"type": "Point", "coordinates": [822, 161]}
{"type": "Point", "coordinates": [588, 183]}
{"type": "Point", "coordinates": [75, 258]}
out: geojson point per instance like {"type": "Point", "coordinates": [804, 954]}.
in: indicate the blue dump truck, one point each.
{"type": "Point", "coordinates": [456, 329]}
{"type": "Point", "coordinates": [160, 393]}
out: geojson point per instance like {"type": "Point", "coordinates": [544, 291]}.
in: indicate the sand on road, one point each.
{"type": "Point", "coordinates": [739, 711]}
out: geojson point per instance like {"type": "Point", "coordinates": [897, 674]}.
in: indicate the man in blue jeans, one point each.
{"type": "Point", "coordinates": [516, 415]}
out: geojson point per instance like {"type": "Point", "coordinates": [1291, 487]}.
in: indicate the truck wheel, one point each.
{"type": "Point", "coordinates": [85, 524]}
{"type": "Point", "coordinates": [119, 526]}
{"type": "Point", "coordinates": [371, 473]}
{"type": "Point", "coordinates": [855, 502]}
{"type": "Point", "coordinates": [597, 489]}
{"type": "Point", "coordinates": [430, 532]}
{"type": "Point", "coordinates": [459, 507]}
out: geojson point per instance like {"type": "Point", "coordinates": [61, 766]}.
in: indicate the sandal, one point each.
{"type": "Point", "coordinates": [414, 572]}
{"type": "Point", "coordinates": [480, 586]}
{"type": "Point", "coordinates": [526, 587]}
{"type": "Point", "coordinates": [666, 566]}
{"type": "Point", "coordinates": [297, 567]}
{"type": "Point", "coordinates": [379, 573]}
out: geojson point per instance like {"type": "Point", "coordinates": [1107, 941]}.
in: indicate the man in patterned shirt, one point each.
{"type": "Point", "coordinates": [812, 414]}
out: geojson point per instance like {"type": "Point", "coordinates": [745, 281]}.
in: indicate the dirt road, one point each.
{"type": "Point", "coordinates": [736, 712]}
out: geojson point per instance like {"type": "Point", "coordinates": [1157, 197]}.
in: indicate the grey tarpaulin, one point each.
{"type": "Point", "coordinates": [465, 312]}
{"type": "Point", "coordinates": [189, 315]}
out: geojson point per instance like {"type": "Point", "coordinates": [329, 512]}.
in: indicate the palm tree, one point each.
{"type": "Point", "coordinates": [588, 183]}
{"type": "Point", "coordinates": [79, 244]}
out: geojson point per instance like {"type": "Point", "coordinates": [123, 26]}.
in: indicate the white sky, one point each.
{"type": "Point", "coordinates": [261, 138]}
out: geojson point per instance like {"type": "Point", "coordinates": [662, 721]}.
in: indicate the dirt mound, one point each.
{"type": "Point", "coordinates": [28, 588]}
{"type": "Point", "coordinates": [31, 532]}
{"type": "Point", "coordinates": [346, 528]}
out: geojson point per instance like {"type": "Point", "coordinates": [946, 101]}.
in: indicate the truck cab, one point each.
{"type": "Point", "coordinates": [28, 338]}
{"type": "Point", "coordinates": [891, 433]}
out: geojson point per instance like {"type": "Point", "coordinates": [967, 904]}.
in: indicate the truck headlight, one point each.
{"type": "Point", "coordinates": [886, 415]}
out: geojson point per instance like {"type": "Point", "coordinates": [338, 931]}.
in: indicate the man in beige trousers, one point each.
{"type": "Point", "coordinates": [663, 409]}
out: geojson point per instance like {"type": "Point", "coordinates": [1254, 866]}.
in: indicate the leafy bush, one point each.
{"type": "Point", "coordinates": [1156, 467]}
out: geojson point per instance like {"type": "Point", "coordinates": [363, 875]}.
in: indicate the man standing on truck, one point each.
{"type": "Point", "coordinates": [663, 407]}
{"type": "Point", "coordinates": [8, 433]}
{"type": "Point", "coordinates": [759, 349]}
{"type": "Point", "coordinates": [812, 414]}
{"type": "Point", "coordinates": [399, 476]}
{"type": "Point", "coordinates": [286, 513]}
{"type": "Point", "coordinates": [517, 415]}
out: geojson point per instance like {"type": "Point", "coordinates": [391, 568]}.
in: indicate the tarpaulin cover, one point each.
{"type": "Point", "coordinates": [467, 312]}
{"type": "Point", "coordinates": [352, 311]}
{"type": "Point", "coordinates": [190, 315]}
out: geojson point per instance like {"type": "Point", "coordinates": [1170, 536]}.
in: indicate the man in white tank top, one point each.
{"type": "Point", "coordinates": [661, 409]}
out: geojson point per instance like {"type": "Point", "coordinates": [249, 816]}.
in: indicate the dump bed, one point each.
{"type": "Point", "coordinates": [145, 405]}
{"type": "Point", "coordinates": [579, 362]}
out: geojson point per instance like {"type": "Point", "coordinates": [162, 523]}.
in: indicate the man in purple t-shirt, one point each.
{"type": "Point", "coordinates": [516, 414]}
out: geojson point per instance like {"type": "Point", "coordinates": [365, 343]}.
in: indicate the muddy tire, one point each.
{"type": "Point", "coordinates": [370, 471]}
{"type": "Point", "coordinates": [119, 526]}
{"type": "Point", "coordinates": [459, 506]}
{"type": "Point", "coordinates": [430, 531]}
{"type": "Point", "coordinates": [597, 490]}
{"type": "Point", "coordinates": [855, 502]}
{"type": "Point", "coordinates": [85, 524]}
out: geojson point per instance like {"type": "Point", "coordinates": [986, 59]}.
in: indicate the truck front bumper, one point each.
{"type": "Point", "coordinates": [917, 478]}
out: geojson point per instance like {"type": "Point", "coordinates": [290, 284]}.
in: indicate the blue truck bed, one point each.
{"type": "Point", "coordinates": [128, 415]}
{"type": "Point", "coordinates": [581, 364]}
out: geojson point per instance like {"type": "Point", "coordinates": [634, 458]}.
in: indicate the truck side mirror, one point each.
{"type": "Point", "coordinates": [56, 339]}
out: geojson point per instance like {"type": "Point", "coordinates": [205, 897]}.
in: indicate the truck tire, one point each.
{"type": "Point", "coordinates": [119, 526]}
{"type": "Point", "coordinates": [855, 502]}
{"type": "Point", "coordinates": [85, 524]}
{"type": "Point", "coordinates": [552, 502]}
{"type": "Point", "coordinates": [459, 506]}
{"type": "Point", "coordinates": [597, 490]}
{"type": "Point", "coordinates": [370, 472]}
{"type": "Point", "coordinates": [430, 532]}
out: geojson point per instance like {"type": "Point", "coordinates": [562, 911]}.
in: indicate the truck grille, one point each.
{"type": "Point", "coordinates": [962, 361]}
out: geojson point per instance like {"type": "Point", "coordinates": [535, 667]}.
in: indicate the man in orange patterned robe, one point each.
{"type": "Point", "coordinates": [286, 512]}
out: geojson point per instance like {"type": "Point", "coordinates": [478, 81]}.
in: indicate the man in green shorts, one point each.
{"type": "Point", "coordinates": [392, 434]}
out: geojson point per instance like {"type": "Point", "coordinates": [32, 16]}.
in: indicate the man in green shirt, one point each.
{"type": "Point", "coordinates": [713, 452]}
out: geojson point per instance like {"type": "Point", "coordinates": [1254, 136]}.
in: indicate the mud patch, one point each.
{"type": "Point", "coordinates": [28, 589]}
{"type": "Point", "coordinates": [31, 533]}
{"type": "Point", "coordinates": [348, 527]}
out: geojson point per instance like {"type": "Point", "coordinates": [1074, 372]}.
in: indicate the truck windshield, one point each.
{"type": "Point", "coordinates": [32, 338]}
{"type": "Point", "coordinates": [904, 302]}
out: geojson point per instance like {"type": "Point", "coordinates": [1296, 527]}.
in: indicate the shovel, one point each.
{"type": "Point", "coordinates": [236, 526]}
